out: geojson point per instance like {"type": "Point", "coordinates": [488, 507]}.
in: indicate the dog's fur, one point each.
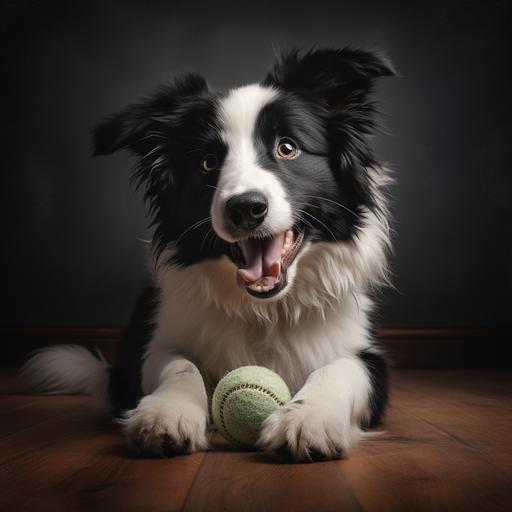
{"type": "Point", "coordinates": [307, 317]}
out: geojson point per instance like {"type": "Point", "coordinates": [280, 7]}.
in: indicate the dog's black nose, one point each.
{"type": "Point", "coordinates": [247, 210]}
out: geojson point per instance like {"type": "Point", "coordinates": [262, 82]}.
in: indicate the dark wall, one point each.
{"type": "Point", "coordinates": [71, 223]}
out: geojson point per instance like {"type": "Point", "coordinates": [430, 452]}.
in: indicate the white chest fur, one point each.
{"type": "Point", "coordinates": [205, 317]}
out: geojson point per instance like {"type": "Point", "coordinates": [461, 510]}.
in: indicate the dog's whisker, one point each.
{"type": "Point", "coordinates": [193, 226]}
{"type": "Point", "coordinates": [215, 188]}
{"type": "Point", "coordinates": [306, 204]}
{"type": "Point", "coordinates": [320, 222]}
{"type": "Point", "coordinates": [204, 239]}
{"type": "Point", "coordinates": [298, 218]}
{"type": "Point", "coordinates": [321, 198]}
{"type": "Point", "coordinates": [213, 241]}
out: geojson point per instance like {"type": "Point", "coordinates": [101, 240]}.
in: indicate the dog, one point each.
{"type": "Point", "coordinates": [270, 236]}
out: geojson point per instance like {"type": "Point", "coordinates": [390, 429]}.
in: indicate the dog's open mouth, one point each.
{"type": "Point", "coordinates": [262, 262]}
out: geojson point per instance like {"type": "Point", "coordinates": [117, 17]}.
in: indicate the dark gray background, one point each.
{"type": "Point", "coordinates": [71, 223]}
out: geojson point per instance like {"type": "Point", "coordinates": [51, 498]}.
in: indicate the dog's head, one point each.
{"type": "Point", "coordinates": [259, 173]}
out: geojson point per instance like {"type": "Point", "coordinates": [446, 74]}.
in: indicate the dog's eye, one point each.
{"type": "Point", "coordinates": [287, 149]}
{"type": "Point", "coordinates": [209, 163]}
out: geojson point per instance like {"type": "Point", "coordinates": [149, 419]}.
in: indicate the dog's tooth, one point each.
{"type": "Point", "coordinates": [275, 269]}
{"type": "Point", "coordinates": [268, 287]}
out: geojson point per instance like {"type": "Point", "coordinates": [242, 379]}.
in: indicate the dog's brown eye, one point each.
{"type": "Point", "coordinates": [209, 163]}
{"type": "Point", "coordinates": [287, 149]}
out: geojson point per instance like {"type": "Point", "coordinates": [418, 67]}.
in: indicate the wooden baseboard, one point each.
{"type": "Point", "coordinates": [407, 347]}
{"type": "Point", "coordinates": [444, 348]}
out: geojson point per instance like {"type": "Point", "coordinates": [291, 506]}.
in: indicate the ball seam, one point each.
{"type": "Point", "coordinates": [226, 395]}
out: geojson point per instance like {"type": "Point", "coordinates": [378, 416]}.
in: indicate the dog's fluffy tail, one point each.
{"type": "Point", "coordinates": [66, 370]}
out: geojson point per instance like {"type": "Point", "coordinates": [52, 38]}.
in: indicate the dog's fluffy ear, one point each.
{"type": "Point", "coordinates": [139, 126]}
{"type": "Point", "coordinates": [335, 77]}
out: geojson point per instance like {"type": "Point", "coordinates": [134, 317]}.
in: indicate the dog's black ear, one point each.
{"type": "Point", "coordinates": [138, 126]}
{"type": "Point", "coordinates": [336, 77]}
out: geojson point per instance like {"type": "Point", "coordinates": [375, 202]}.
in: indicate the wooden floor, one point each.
{"type": "Point", "coordinates": [448, 447]}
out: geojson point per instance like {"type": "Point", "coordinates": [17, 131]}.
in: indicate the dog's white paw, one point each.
{"type": "Point", "coordinates": [304, 431]}
{"type": "Point", "coordinates": [166, 426]}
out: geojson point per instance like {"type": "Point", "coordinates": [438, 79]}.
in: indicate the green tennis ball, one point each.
{"type": "Point", "coordinates": [243, 398]}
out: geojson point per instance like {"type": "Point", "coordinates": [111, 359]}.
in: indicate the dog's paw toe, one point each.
{"type": "Point", "coordinates": [304, 433]}
{"type": "Point", "coordinates": [170, 447]}
{"type": "Point", "coordinates": [165, 428]}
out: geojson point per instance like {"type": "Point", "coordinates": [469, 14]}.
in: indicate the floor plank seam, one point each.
{"type": "Point", "coordinates": [207, 452]}
{"type": "Point", "coordinates": [476, 452]}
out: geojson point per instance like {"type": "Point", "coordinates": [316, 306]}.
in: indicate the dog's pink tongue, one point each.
{"type": "Point", "coordinates": [251, 249]}
{"type": "Point", "coordinates": [262, 258]}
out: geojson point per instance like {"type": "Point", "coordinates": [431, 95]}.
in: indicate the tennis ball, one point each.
{"type": "Point", "coordinates": [243, 398]}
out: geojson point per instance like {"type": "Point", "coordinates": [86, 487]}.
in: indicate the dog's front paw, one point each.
{"type": "Point", "coordinates": [166, 426]}
{"type": "Point", "coordinates": [302, 431]}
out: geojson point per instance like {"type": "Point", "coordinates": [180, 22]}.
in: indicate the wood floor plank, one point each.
{"type": "Point", "coordinates": [18, 412]}
{"type": "Point", "coordinates": [145, 484]}
{"type": "Point", "coordinates": [401, 432]}
{"type": "Point", "coordinates": [433, 478]}
{"type": "Point", "coordinates": [481, 423]}
{"type": "Point", "coordinates": [83, 465]}
{"type": "Point", "coordinates": [57, 428]}
{"type": "Point", "coordinates": [417, 466]}
{"type": "Point", "coordinates": [111, 481]}
{"type": "Point", "coordinates": [491, 388]}
{"type": "Point", "coordinates": [251, 481]}
{"type": "Point", "coordinates": [46, 466]}
{"type": "Point", "coordinates": [446, 446]}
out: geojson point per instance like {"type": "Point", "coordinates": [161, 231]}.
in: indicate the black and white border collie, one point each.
{"type": "Point", "coordinates": [270, 234]}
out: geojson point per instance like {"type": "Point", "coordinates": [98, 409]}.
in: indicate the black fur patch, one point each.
{"type": "Point", "coordinates": [125, 376]}
{"type": "Point", "coordinates": [325, 201]}
{"type": "Point", "coordinates": [378, 370]}
{"type": "Point", "coordinates": [170, 132]}
{"type": "Point", "coordinates": [338, 84]}
{"type": "Point", "coordinates": [337, 77]}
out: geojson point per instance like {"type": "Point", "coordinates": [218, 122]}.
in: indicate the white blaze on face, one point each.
{"type": "Point", "coordinates": [241, 172]}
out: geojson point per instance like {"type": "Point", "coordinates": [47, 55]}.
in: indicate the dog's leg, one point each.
{"type": "Point", "coordinates": [323, 420]}
{"type": "Point", "coordinates": [172, 418]}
